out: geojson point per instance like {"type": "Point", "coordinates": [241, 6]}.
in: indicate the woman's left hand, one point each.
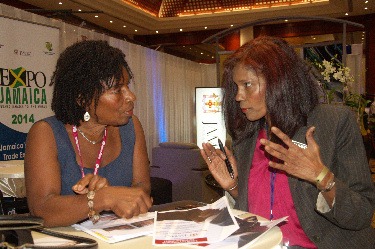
{"type": "Point", "coordinates": [302, 163]}
{"type": "Point", "coordinates": [90, 182]}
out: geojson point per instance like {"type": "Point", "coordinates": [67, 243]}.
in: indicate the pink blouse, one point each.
{"type": "Point", "coordinates": [259, 197]}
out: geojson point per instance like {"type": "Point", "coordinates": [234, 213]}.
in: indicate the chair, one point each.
{"type": "Point", "coordinates": [161, 190]}
{"type": "Point", "coordinates": [183, 165]}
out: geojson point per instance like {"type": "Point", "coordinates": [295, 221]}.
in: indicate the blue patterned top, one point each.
{"type": "Point", "coordinates": [119, 172]}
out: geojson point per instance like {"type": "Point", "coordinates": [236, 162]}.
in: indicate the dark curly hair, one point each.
{"type": "Point", "coordinates": [291, 89]}
{"type": "Point", "coordinates": [83, 71]}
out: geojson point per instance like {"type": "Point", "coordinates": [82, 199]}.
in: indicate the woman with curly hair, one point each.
{"type": "Point", "coordinates": [291, 155]}
{"type": "Point", "coordinates": [91, 155]}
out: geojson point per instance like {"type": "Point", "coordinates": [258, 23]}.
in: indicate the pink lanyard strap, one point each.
{"type": "Point", "coordinates": [99, 159]}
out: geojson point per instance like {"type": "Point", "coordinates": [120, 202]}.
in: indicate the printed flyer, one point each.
{"type": "Point", "coordinates": [111, 229]}
{"type": "Point", "coordinates": [209, 224]}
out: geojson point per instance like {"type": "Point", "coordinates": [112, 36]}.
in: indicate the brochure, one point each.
{"type": "Point", "coordinates": [110, 228]}
{"type": "Point", "coordinates": [209, 224]}
{"type": "Point", "coordinates": [249, 232]}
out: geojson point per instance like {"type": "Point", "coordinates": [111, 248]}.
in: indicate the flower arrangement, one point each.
{"type": "Point", "coordinates": [337, 79]}
{"type": "Point", "coordinates": [336, 83]}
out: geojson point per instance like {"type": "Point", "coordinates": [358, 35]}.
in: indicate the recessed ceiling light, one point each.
{"type": "Point", "coordinates": [365, 8]}
{"type": "Point", "coordinates": [231, 25]}
{"type": "Point", "coordinates": [96, 16]}
{"type": "Point", "coordinates": [366, 1]}
{"type": "Point", "coordinates": [136, 30]}
{"type": "Point", "coordinates": [157, 31]}
{"type": "Point", "coordinates": [201, 52]}
{"type": "Point", "coordinates": [205, 27]}
{"type": "Point", "coordinates": [111, 21]}
{"type": "Point", "coordinates": [60, 2]}
{"type": "Point", "coordinates": [285, 20]}
{"type": "Point", "coordinates": [124, 26]}
{"type": "Point", "coordinates": [346, 13]}
{"type": "Point", "coordinates": [180, 29]}
{"type": "Point", "coordinates": [79, 10]}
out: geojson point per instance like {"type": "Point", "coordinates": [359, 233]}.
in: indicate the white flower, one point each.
{"type": "Point", "coordinates": [331, 70]}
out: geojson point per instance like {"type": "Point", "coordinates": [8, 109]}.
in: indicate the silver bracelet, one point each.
{"type": "Point", "coordinates": [329, 185]}
{"type": "Point", "coordinates": [234, 187]}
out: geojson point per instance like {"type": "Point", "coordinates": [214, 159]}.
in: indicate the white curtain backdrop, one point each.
{"type": "Point", "coordinates": [164, 84]}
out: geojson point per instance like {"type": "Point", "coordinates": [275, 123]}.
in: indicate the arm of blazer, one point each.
{"type": "Point", "coordinates": [342, 151]}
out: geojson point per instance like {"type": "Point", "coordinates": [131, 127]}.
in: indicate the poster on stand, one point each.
{"type": "Point", "coordinates": [28, 53]}
{"type": "Point", "coordinates": [209, 116]}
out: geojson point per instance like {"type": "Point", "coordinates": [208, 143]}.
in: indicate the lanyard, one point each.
{"type": "Point", "coordinates": [273, 177]}
{"type": "Point", "coordinates": [272, 183]}
{"type": "Point", "coordinates": [99, 159]}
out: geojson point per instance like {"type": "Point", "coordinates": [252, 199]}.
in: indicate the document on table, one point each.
{"type": "Point", "coordinates": [110, 228]}
{"type": "Point", "coordinates": [208, 224]}
{"type": "Point", "coordinates": [249, 232]}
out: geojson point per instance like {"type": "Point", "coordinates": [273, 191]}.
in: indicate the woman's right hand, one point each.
{"type": "Point", "coordinates": [125, 202]}
{"type": "Point", "coordinates": [216, 164]}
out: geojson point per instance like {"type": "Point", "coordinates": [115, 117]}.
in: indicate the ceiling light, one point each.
{"type": "Point", "coordinates": [111, 21]}
{"type": "Point", "coordinates": [96, 16]}
{"type": "Point", "coordinates": [346, 13]}
{"type": "Point", "coordinates": [124, 26]}
{"type": "Point", "coordinates": [79, 10]}
{"type": "Point", "coordinates": [205, 27]}
{"type": "Point", "coordinates": [136, 30]}
{"type": "Point", "coordinates": [231, 25]}
{"type": "Point", "coordinates": [60, 2]}
{"type": "Point", "coordinates": [157, 32]}
{"type": "Point", "coordinates": [366, 1]}
{"type": "Point", "coordinates": [365, 8]}
{"type": "Point", "coordinates": [201, 52]}
{"type": "Point", "coordinates": [180, 29]}
{"type": "Point", "coordinates": [285, 20]}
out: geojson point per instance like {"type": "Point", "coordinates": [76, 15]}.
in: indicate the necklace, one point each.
{"type": "Point", "coordinates": [100, 154]}
{"type": "Point", "coordinates": [83, 135]}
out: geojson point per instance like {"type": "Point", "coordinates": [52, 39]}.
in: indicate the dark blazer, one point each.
{"type": "Point", "coordinates": [348, 224]}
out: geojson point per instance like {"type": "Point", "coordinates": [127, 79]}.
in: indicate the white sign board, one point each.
{"type": "Point", "coordinates": [28, 54]}
{"type": "Point", "coordinates": [209, 115]}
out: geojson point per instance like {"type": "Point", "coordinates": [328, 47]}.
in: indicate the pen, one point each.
{"type": "Point", "coordinates": [229, 166]}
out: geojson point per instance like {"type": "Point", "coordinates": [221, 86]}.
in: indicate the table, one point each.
{"type": "Point", "coordinates": [271, 240]}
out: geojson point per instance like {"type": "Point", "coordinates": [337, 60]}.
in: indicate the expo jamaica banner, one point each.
{"type": "Point", "coordinates": [28, 54]}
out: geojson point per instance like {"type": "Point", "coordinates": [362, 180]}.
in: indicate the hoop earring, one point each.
{"type": "Point", "coordinates": [86, 116]}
